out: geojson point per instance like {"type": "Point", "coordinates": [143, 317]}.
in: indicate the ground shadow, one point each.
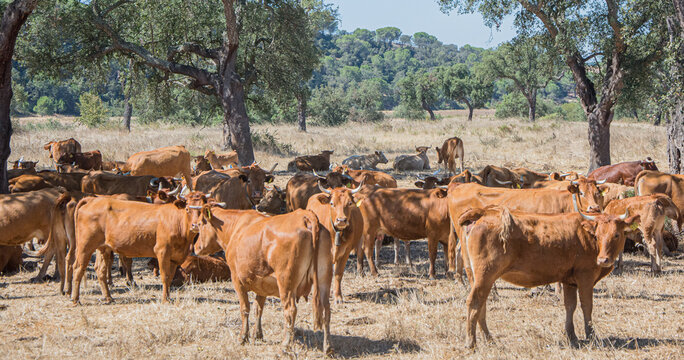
{"type": "Point", "coordinates": [632, 343]}
{"type": "Point", "coordinates": [347, 346]}
{"type": "Point", "coordinates": [388, 295]}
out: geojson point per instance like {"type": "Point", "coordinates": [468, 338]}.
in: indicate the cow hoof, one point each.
{"type": "Point", "coordinates": [107, 301]}
{"type": "Point", "coordinates": [329, 351]}
{"type": "Point", "coordinates": [35, 280]}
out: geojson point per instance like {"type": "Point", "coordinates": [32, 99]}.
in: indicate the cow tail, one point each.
{"type": "Point", "coordinates": [312, 224]}
{"type": "Point", "coordinates": [671, 210]}
{"type": "Point", "coordinates": [507, 223]}
{"type": "Point", "coordinates": [637, 183]}
{"type": "Point", "coordinates": [59, 206]}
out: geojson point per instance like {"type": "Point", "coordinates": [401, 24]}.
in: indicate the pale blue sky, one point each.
{"type": "Point", "coordinates": [412, 16]}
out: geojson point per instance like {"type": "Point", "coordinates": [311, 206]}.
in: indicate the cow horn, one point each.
{"type": "Point", "coordinates": [222, 205]}
{"type": "Point", "coordinates": [267, 188]}
{"type": "Point", "coordinates": [327, 191]}
{"type": "Point", "coordinates": [21, 160]}
{"type": "Point", "coordinates": [160, 186]}
{"type": "Point", "coordinates": [154, 181]}
{"type": "Point", "coordinates": [354, 191]}
{"type": "Point", "coordinates": [330, 167]}
{"type": "Point", "coordinates": [502, 182]}
{"type": "Point", "coordinates": [318, 176]}
{"type": "Point", "coordinates": [207, 195]}
{"type": "Point", "coordinates": [574, 182]}
{"type": "Point", "coordinates": [273, 167]}
{"type": "Point", "coordinates": [601, 182]}
{"type": "Point", "coordinates": [564, 174]}
{"type": "Point", "coordinates": [256, 163]}
{"type": "Point", "coordinates": [574, 205]}
{"type": "Point", "coordinates": [184, 191]}
{"type": "Point", "coordinates": [176, 190]}
{"type": "Point", "coordinates": [194, 207]}
{"type": "Point", "coordinates": [625, 215]}
{"type": "Point", "coordinates": [178, 179]}
{"type": "Point", "coordinates": [436, 172]}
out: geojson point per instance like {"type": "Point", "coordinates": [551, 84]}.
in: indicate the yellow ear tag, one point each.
{"type": "Point", "coordinates": [604, 192]}
{"type": "Point", "coordinates": [634, 226]}
{"type": "Point", "coordinates": [349, 186]}
{"type": "Point", "coordinates": [208, 214]}
{"type": "Point", "coordinates": [518, 185]}
{"type": "Point", "coordinates": [358, 203]}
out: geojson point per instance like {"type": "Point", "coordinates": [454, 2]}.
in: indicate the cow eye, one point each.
{"type": "Point", "coordinates": [331, 204]}
{"type": "Point", "coordinates": [187, 210]}
{"type": "Point", "coordinates": [581, 193]}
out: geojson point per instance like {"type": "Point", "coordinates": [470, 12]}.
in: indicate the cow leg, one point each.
{"type": "Point", "coordinates": [368, 250]}
{"type": "Point", "coordinates": [586, 296]}
{"type": "Point", "coordinates": [378, 247]}
{"type": "Point", "coordinates": [61, 267]}
{"type": "Point", "coordinates": [127, 267]}
{"type": "Point", "coordinates": [258, 332]}
{"type": "Point", "coordinates": [477, 299]}
{"type": "Point", "coordinates": [44, 267]}
{"type": "Point", "coordinates": [339, 272]}
{"type": "Point", "coordinates": [70, 260]}
{"type": "Point", "coordinates": [618, 267]}
{"type": "Point", "coordinates": [407, 245]}
{"type": "Point", "coordinates": [243, 297]}
{"type": "Point", "coordinates": [79, 268]}
{"type": "Point", "coordinates": [290, 311]}
{"type": "Point", "coordinates": [359, 257]}
{"type": "Point", "coordinates": [166, 272]}
{"type": "Point", "coordinates": [396, 251]}
{"type": "Point", "coordinates": [570, 302]}
{"type": "Point", "coordinates": [655, 243]}
{"type": "Point", "coordinates": [482, 321]}
{"type": "Point", "coordinates": [103, 275]}
{"type": "Point", "coordinates": [432, 254]}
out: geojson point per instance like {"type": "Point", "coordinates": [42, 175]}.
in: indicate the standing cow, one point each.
{"type": "Point", "coordinates": [59, 149]}
{"type": "Point", "coordinates": [370, 161]}
{"type": "Point", "coordinates": [655, 182]}
{"type": "Point", "coordinates": [419, 161]}
{"type": "Point", "coordinates": [447, 154]}
{"type": "Point", "coordinates": [167, 161]}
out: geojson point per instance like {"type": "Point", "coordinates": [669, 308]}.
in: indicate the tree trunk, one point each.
{"type": "Point", "coordinates": [225, 137]}
{"type": "Point", "coordinates": [532, 105]}
{"type": "Point", "coordinates": [301, 112]}
{"type": "Point", "coordinates": [675, 126]}
{"type": "Point", "coordinates": [128, 111]}
{"type": "Point", "coordinates": [426, 107]}
{"type": "Point", "coordinates": [599, 139]}
{"type": "Point", "coordinates": [13, 18]}
{"type": "Point", "coordinates": [470, 109]}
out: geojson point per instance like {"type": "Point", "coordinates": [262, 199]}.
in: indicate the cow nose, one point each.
{"type": "Point", "coordinates": [593, 208]}
{"type": "Point", "coordinates": [341, 221]}
{"type": "Point", "coordinates": [604, 262]}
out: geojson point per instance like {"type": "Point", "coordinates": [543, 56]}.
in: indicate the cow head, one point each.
{"type": "Point", "coordinates": [257, 177]}
{"type": "Point", "coordinates": [21, 164]}
{"type": "Point", "coordinates": [648, 164]}
{"type": "Point", "coordinates": [273, 201]}
{"type": "Point", "coordinates": [194, 203]}
{"type": "Point", "coordinates": [382, 159]}
{"type": "Point", "coordinates": [609, 231]}
{"type": "Point", "coordinates": [334, 180]}
{"type": "Point", "coordinates": [464, 177]}
{"type": "Point", "coordinates": [342, 204]}
{"type": "Point", "coordinates": [201, 164]}
{"type": "Point", "coordinates": [207, 242]}
{"type": "Point", "coordinates": [589, 194]}
{"type": "Point", "coordinates": [422, 149]}
{"type": "Point", "coordinates": [326, 154]}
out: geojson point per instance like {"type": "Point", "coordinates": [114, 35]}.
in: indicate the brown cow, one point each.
{"type": "Point", "coordinates": [25, 183]}
{"type": "Point", "coordinates": [201, 164]}
{"type": "Point", "coordinates": [273, 202]}
{"type": "Point", "coordinates": [283, 255]}
{"type": "Point", "coordinates": [652, 210]}
{"type": "Point", "coordinates": [302, 186]}
{"type": "Point", "coordinates": [69, 181]}
{"type": "Point", "coordinates": [257, 178]}
{"type": "Point", "coordinates": [447, 154]}
{"type": "Point", "coordinates": [102, 183]}
{"type": "Point", "coordinates": [528, 249]}
{"type": "Point", "coordinates": [24, 216]}
{"type": "Point", "coordinates": [218, 161]}
{"type": "Point", "coordinates": [10, 259]}
{"type": "Point", "coordinates": [338, 214]}
{"type": "Point", "coordinates": [654, 182]}
{"type": "Point", "coordinates": [166, 161]}
{"type": "Point", "coordinates": [233, 191]}
{"type": "Point", "coordinates": [528, 177]}
{"type": "Point", "coordinates": [544, 201]}
{"type": "Point", "coordinates": [21, 164]}
{"type": "Point", "coordinates": [113, 165]}
{"type": "Point", "coordinates": [496, 176]}
{"type": "Point", "coordinates": [368, 177]}
{"type": "Point", "coordinates": [134, 230]}
{"type": "Point", "coordinates": [624, 172]}
{"type": "Point", "coordinates": [196, 269]}
{"type": "Point", "coordinates": [12, 173]}
{"type": "Point", "coordinates": [318, 162]}
{"type": "Point", "coordinates": [91, 160]}
{"type": "Point", "coordinates": [612, 191]}
{"type": "Point", "coordinates": [423, 215]}
{"type": "Point", "coordinates": [59, 149]}
{"type": "Point", "coordinates": [419, 161]}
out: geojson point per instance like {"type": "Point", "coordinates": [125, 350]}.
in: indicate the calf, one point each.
{"type": "Point", "coordinates": [368, 177]}
{"type": "Point", "coordinates": [273, 202]}
{"type": "Point", "coordinates": [528, 249]}
{"type": "Point", "coordinates": [201, 165]}
{"type": "Point", "coordinates": [233, 191]}
{"type": "Point", "coordinates": [655, 182]}
{"type": "Point", "coordinates": [447, 154]}
{"type": "Point", "coordinates": [419, 161]}
{"type": "Point", "coordinates": [318, 162]}
{"type": "Point", "coordinates": [370, 161]}
{"type": "Point", "coordinates": [338, 215]}
{"type": "Point", "coordinates": [283, 255]}
{"type": "Point", "coordinates": [25, 183]}
{"type": "Point", "coordinates": [624, 172]}
{"type": "Point", "coordinates": [218, 161]}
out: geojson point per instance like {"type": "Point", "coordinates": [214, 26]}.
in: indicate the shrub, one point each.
{"type": "Point", "coordinates": [515, 105]}
{"type": "Point", "coordinates": [408, 112]}
{"type": "Point", "coordinates": [572, 111]}
{"type": "Point", "coordinates": [329, 106]}
{"type": "Point", "coordinates": [93, 111]}
{"type": "Point", "coordinates": [267, 142]}
{"type": "Point", "coordinates": [48, 106]}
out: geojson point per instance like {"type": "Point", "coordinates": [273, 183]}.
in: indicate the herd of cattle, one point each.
{"type": "Point", "coordinates": [519, 225]}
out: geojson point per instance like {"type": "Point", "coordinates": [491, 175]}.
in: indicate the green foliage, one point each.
{"type": "Point", "coordinates": [462, 84]}
{"type": "Point", "coordinates": [366, 100]}
{"type": "Point", "coordinates": [572, 111]}
{"type": "Point", "coordinates": [329, 106]}
{"type": "Point", "coordinates": [20, 100]}
{"type": "Point", "coordinates": [417, 91]}
{"type": "Point", "coordinates": [516, 105]}
{"type": "Point", "coordinates": [48, 106]}
{"type": "Point", "coordinates": [93, 111]}
{"type": "Point", "coordinates": [268, 142]}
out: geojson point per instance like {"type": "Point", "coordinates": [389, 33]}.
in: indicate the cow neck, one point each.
{"type": "Point", "coordinates": [227, 229]}
{"type": "Point", "coordinates": [338, 233]}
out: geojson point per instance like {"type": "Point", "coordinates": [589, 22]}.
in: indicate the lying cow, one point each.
{"type": "Point", "coordinates": [496, 176]}
{"type": "Point", "coordinates": [623, 173]}
{"type": "Point", "coordinates": [26, 183]}
{"type": "Point", "coordinates": [219, 161]}
{"type": "Point", "coordinates": [283, 255]}
{"type": "Point", "coordinates": [21, 164]}
{"type": "Point", "coordinates": [102, 183]}
{"type": "Point", "coordinates": [60, 149]}
{"type": "Point", "coordinates": [529, 249]}
{"type": "Point", "coordinates": [368, 177]}
{"type": "Point", "coordinates": [91, 160]}
{"type": "Point", "coordinates": [318, 162]}
{"type": "Point", "coordinates": [134, 230]}
{"type": "Point", "coordinates": [447, 154]}
{"type": "Point", "coordinates": [370, 161]}
{"type": "Point", "coordinates": [419, 161]}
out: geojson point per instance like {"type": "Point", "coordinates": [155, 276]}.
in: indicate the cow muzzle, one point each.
{"type": "Point", "coordinates": [593, 208]}
{"type": "Point", "coordinates": [341, 223]}
{"type": "Point", "coordinates": [604, 262]}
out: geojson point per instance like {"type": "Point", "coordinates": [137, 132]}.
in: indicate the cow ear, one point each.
{"type": "Point", "coordinates": [632, 223]}
{"type": "Point", "coordinates": [206, 211]}
{"type": "Point", "coordinates": [573, 189]}
{"type": "Point", "coordinates": [180, 204]}
{"type": "Point", "coordinates": [470, 216]}
{"type": "Point", "coordinates": [323, 198]}
{"type": "Point", "coordinates": [590, 227]}
{"type": "Point", "coordinates": [377, 152]}
{"type": "Point", "coordinates": [243, 177]}
{"type": "Point", "coordinates": [419, 184]}
{"type": "Point", "coordinates": [162, 195]}
{"type": "Point", "coordinates": [441, 193]}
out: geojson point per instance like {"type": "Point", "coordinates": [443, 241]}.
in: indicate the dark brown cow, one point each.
{"type": "Point", "coordinates": [544, 201]}
{"type": "Point", "coordinates": [338, 214]}
{"type": "Point", "coordinates": [496, 176]}
{"type": "Point", "coordinates": [652, 210]}
{"type": "Point", "coordinates": [368, 177]}
{"type": "Point", "coordinates": [12, 173]}
{"type": "Point", "coordinates": [91, 160]}
{"type": "Point", "coordinates": [447, 154]}
{"type": "Point", "coordinates": [654, 182]}
{"type": "Point", "coordinates": [320, 162]}
{"type": "Point", "coordinates": [527, 177]}
{"type": "Point", "coordinates": [102, 183]}
{"type": "Point", "coordinates": [21, 164]}
{"type": "Point", "coordinates": [233, 191]}
{"type": "Point", "coordinates": [10, 259]}
{"type": "Point", "coordinates": [273, 202]}
{"type": "Point", "coordinates": [406, 214]}
{"type": "Point", "coordinates": [622, 173]}
{"type": "Point", "coordinates": [302, 186]}
{"type": "Point", "coordinates": [134, 230]}
{"type": "Point", "coordinates": [528, 249]}
{"type": "Point", "coordinates": [59, 149]}
{"type": "Point", "coordinates": [196, 269]}
{"type": "Point", "coordinates": [69, 181]}
{"type": "Point", "coordinates": [283, 255]}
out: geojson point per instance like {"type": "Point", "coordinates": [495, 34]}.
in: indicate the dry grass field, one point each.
{"type": "Point", "coordinates": [398, 315]}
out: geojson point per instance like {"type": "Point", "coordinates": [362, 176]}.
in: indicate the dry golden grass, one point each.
{"type": "Point", "coordinates": [401, 314]}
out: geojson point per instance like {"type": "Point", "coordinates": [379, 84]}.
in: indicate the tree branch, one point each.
{"type": "Point", "coordinates": [615, 25]}
{"type": "Point", "coordinates": [192, 48]}
{"type": "Point", "coordinates": [114, 6]}
{"type": "Point", "coordinates": [585, 59]}
{"type": "Point", "coordinates": [545, 19]}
